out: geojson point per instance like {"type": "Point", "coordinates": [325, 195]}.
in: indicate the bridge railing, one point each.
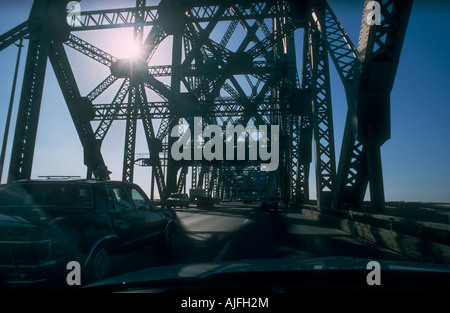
{"type": "Point", "coordinates": [418, 230]}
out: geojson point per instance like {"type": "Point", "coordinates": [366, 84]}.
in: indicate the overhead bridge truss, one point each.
{"type": "Point", "coordinates": [232, 63]}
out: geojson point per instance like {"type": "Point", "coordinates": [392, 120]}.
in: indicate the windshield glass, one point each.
{"type": "Point", "coordinates": [46, 195]}
{"type": "Point", "coordinates": [177, 142]}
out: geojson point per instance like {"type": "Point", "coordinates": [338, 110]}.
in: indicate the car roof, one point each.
{"type": "Point", "coordinates": [69, 181]}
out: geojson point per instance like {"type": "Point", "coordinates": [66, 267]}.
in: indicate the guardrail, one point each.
{"type": "Point", "coordinates": [418, 230]}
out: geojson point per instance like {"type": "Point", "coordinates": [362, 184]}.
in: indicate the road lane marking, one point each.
{"type": "Point", "coordinates": [223, 251]}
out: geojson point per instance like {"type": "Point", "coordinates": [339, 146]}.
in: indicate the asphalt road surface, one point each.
{"type": "Point", "coordinates": [235, 231]}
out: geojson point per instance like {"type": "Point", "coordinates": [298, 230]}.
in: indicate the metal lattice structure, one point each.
{"type": "Point", "coordinates": [233, 62]}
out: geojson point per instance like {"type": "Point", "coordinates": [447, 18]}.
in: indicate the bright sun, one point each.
{"type": "Point", "coordinates": [132, 51]}
{"type": "Point", "coordinates": [128, 49]}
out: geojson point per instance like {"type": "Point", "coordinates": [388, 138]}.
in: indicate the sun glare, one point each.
{"type": "Point", "coordinates": [132, 51]}
{"type": "Point", "coordinates": [127, 49]}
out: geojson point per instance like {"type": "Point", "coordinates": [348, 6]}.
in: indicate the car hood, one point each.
{"type": "Point", "coordinates": [261, 267]}
{"type": "Point", "coordinates": [14, 221]}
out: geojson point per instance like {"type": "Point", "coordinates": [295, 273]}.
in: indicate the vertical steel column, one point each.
{"type": "Point", "coordinates": [368, 120]}
{"type": "Point", "coordinates": [322, 118]}
{"type": "Point", "coordinates": [352, 177]}
{"type": "Point", "coordinates": [11, 104]}
{"type": "Point", "coordinates": [194, 176]}
{"type": "Point", "coordinates": [379, 45]}
{"type": "Point", "coordinates": [279, 57]}
{"type": "Point", "coordinates": [133, 101]}
{"type": "Point", "coordinates": [30, 104]}
{"type": "Point", "coordinates": [130, 133]}
{"type": "Point", "coordinates": [305, 132]}
{"type": "Point", "coordinates": [292, 84]}
{"type": "Point", "coordinates": [172, 168]}
{"type": "Point", "coordinates": [152, 185]}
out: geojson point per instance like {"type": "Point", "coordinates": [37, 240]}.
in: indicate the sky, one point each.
{"type": "Point", "coordinates": [416, 163]}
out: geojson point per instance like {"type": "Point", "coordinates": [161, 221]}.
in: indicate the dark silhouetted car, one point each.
{"type": "Point", "coordinates": [205, 203]}
{"type": "Point", "coordinates": [269, 202]}
{"type": "Point", "coordinates": [178, 199]}
{"type": "Point", "coordinates": [247, 201]}
{"type": "Point", "coordinates": [45, 224]}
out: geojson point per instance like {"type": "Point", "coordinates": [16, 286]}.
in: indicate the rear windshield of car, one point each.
{"type": "Point", "coordinates": [46, 195]}
{"type": "Point", "coordinates": [177, 195]}
{"type": "Point", "coordinates": [269, 199]}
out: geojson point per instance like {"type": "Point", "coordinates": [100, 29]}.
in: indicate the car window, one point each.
{"type": "Point", "coordinates": [122, 200]}
{"type": "Point", "coordinates": [47, 195]}
{"type": "Point", "coordinates": [137, 197]}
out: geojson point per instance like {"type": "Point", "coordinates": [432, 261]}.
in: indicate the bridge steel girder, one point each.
{"type": "Point", "coordinates": [322, 119]}
{"type": "Point", "coordinates": [200, 12]}
{"type": "Point", "coordinates": [133, 101]}
{"type": "Point", "coordinates": [13, 35]}
{"type": "Point", "coordinates": [130, 133]}
{"type": "Point", "coordinates": [367, 125]}
{"type": "Point", "coordinates": [152, 142]}
{"type": "Point", "coordinates": [380, 47]}
{"type": "Point", "coordinates": [306, 130]}
{"type": "Point", "coordinates": [46, 42]}
{"type": "Point", "coordinates": [80, 109]}
{"type": "Point", "coordinates": [29, 108]}
{"type": "Point", "coordinates": [367, 122]}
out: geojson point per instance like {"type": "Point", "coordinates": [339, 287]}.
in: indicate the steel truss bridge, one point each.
{"type": "Point", "coordinates": [227, 79]}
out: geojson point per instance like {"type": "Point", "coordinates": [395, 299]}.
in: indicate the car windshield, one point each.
{"type": "Point", "coordinates": [45, 195]}
{"type": "Point", "coordinates": [183, 142]}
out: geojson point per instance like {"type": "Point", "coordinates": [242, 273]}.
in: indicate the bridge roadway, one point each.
{"type": "Point", "coordinates": [235, 231]}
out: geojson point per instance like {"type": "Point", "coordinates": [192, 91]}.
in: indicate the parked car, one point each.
{"type": "Point", "coordinates": [269, 202]}
{"type": "Point", "coordinates": [178, 199]}
{"type": "Point", "coordinates": [45, 224]}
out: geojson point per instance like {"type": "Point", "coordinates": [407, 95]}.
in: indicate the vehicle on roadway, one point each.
{"type": "Point", "coordinates": [196, 193]}
{"type": "Point", "coordinates": [44, 224]}
{"type": "Point", "coordinates": [178, 199]}
{"type": "Point", "coordinates": [205, 202]}
{"type": "Point", "coordinates": [247, 201]}
{"type": "Point", "coordinates": [268, 202]}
